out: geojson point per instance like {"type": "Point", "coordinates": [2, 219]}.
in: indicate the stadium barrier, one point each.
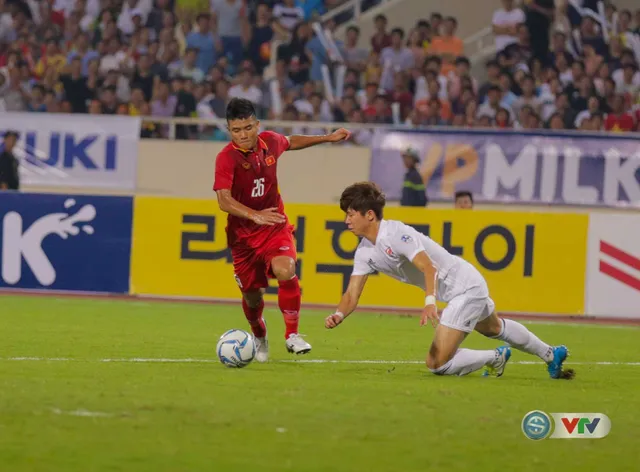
{"type": "Point", "coordinates": [79, 243]}
{"type": "Point", "coordinates": [538, 263]}
{"type": "Point", "coordinates": [533, 262]}
{"type": "Point", "coordinates": [75, 151]}
{"type": "Point", "coordinates": [533, 168]}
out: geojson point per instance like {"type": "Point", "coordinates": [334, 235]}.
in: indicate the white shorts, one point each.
{"type": "Point", "coordinates": [465, 311]}
{"type": "Point", "coordinates": [472, 305]}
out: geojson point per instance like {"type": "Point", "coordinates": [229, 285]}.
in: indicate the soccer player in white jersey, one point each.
{"type": "Point", "coordinates": [401, 252]}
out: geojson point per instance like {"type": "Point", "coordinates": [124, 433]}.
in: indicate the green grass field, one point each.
{"type": "Point", "coordinates": [175, 408]}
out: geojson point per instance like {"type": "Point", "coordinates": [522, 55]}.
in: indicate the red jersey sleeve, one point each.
{"type": "Point", "coordinates": [277, 143]}
{"type": "Point", "coordinates": [225, 165]}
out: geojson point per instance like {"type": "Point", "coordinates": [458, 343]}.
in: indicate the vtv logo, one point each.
{"type": "Point", "coordinates": [580, 425]}
{"type": "Point", "coordinates": [28, 244]}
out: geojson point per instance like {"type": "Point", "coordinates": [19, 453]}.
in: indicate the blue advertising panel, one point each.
{"type": "Point", "coordinates": [65, 242]}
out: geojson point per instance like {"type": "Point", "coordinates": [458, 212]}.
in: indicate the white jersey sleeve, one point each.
{"type": "Point", "coordinates": [406, 241]}
{"type": "Point", "coordinates": [360, 264]}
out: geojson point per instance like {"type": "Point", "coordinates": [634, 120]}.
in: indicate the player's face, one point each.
{"type": "Point", "coordinates": [358, 223]}
{"type": "Point", "coordinates": [244, 132]}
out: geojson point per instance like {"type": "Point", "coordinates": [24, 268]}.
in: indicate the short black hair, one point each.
{"type": "Point", "coordinates": [240, 109]}
{"type": "Point", "coordinates": [362, 197]}
{"type": "Point", "coordinates": [398, 31]}
{"type": "Point", "coordinates": [464, 193]}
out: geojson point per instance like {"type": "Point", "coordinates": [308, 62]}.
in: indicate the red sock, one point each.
{"type": "Point", "coordinates": [289, 303]}
{"type": "Point", "coordinates": [254, 317]}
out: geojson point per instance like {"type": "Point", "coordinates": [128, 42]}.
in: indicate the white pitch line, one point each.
{"type": "Point", "coordinates": [87, 413]}
{"type": "Point", "coordinates": [161, 360]}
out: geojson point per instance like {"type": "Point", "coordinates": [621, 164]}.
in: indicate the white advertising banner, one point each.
{"type": "Point", "coordinates": [75, 150]}
{"type": "Point", "coordinates": [613, 266]}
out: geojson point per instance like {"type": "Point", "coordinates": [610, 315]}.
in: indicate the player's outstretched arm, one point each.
{"type": "Point", "coordinates": [228, 204]}
{"type": "Point", "coordinates": [349, 301]}
{"type": "Point", "coordinates": [297, 141]}
{"type": "Point", "coordinates": [423, 262]}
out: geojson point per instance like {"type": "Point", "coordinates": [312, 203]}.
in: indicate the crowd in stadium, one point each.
{"type": "Point", "coordinates": [557, 68]}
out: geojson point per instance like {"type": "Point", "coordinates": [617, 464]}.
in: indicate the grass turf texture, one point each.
{"type": "Point", "coordinates": [289, 416]}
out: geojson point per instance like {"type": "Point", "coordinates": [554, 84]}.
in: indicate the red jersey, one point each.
{"type": "Point", "coordinates": [619, 123]}
{"type": "Point", "coordinates": [253, 180]}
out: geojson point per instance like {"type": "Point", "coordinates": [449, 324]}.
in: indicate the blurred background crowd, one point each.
{"type": "Point", "coordinates": [557, 65]}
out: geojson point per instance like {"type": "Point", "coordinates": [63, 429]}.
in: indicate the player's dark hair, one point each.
{"type": "Point", "coordinates": [240, 109]}
{"type": "Point", "coordinates": [464, 193]}
{"type": "Point", "coordinates": [362, 197]}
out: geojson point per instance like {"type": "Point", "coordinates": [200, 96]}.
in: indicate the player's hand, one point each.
{"type": "Point", "coordinates": [268, 217]}
{"type": "Point", "coordinates": [334, 320]}
{"type": "Point", "coordinates": [430, 312]}
{"type": "Point", "coordinates": [339, 135]}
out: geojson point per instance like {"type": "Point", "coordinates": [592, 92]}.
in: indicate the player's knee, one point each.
{"type": "Point", "coordinates": [492, 327]}
{"type": "Point", "coordinates": [253, 299]}
{"type": "Point", "coordinates": [284, 269]}
{"type": "Point", "coordinates": [434, 363]}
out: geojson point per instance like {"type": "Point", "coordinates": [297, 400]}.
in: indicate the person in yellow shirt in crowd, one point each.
{"type": "Point", "coordinates": [52, 58]}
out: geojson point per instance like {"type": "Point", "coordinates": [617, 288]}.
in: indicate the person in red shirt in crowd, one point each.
{"type": "Point", "coordinates": [619, 120]}
{"type": "Point", "coordinates": [380, 39]}
{"type": "Point", "coordinates": [258, 232]}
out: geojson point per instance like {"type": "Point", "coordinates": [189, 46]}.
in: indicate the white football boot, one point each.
{"type": "Point", "coordinates": [262, 349]}
{"type": "Point", "coordinates": [297, 345]}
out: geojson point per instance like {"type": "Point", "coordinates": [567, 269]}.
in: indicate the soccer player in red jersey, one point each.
{"type": "Point", "coordinates": [258, 231]}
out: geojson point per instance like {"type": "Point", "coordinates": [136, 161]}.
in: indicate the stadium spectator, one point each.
{"type": "Point", "coordinates": [9, 175]}
{"type": "Point", "coordinates": [74, 56]}
{"type": "Point", "coordinates": [205, 42]}
{"type": "Point", "coordinates": [231, 18]}
{"type": "Point", "coordinates": [506, 21]}
{"type": "Point", "coordinates": [258, 38]}
{"type": "Point", "coordinates": [448, 46]}
{"type": "Point", "coordinates": [464, 200]}
{"type": "Point", "coordinates": [380, 39]}
{"type": "Point", "coordinates": [619, 120]}
{"type": "Point", "coordinates": [395, 58]}
{"type": "Point", "coordinates": [355, 57]}
{"type": "Point", "coordinates": [539, 15]}
{"type": "Point", "coordinates": [288, 15]}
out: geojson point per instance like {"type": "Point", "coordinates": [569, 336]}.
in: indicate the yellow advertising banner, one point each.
{"type": "Point", "coordinates": [533, 262]}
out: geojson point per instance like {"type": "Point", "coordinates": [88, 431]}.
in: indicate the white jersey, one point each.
{"type": "Point", "coordinates": [396, 246]}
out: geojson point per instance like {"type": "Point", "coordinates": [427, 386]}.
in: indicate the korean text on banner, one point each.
{"type": "Point", "coordinates": [613, 277]}
{"type": "Point", "coordinates": [75, 150]}
{"type": "Point", "coordinates": [534, 263]}
{"type": "Point", "coordinates": [505, 166]}
{"type": "Point", "coordinates": [58, 242]}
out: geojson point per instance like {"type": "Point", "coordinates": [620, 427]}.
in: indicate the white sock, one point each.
{"type": "Point", "coordinates": [524, 340]}
{"type": "Point", "coordinates": [465, 361]}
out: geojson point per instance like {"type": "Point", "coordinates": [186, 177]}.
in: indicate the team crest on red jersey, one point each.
{"type": "Point", "coordinates": [246, 165]}
{"type": "Point", "coordinates": [270, 160]}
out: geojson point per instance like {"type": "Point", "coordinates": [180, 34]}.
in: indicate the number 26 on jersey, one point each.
{"type": "Point", "coordinates": [258, 188]}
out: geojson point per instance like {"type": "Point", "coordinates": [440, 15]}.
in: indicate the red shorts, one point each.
{"type": "Point", "coordinates": [252, 267]}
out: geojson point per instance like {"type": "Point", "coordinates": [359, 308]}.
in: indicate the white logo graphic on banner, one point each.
{"type": "Point", "coordinates": [613, 268]}
{"type": "Point", "coordinates": [72, 150]}
{"type": "Point", "coordinates": [28, 244]}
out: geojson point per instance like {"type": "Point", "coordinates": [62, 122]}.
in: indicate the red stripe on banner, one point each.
{"type": "Point", "coordinates": [619, 275]}
{"type": "Point", "coordinates": [620, 255]}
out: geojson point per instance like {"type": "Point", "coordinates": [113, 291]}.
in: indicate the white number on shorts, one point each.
{"type": "Point", "coordinates": [258, 188]}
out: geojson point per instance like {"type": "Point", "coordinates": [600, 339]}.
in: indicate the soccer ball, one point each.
{"type": "Point", "coordinates": [236, 348]}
